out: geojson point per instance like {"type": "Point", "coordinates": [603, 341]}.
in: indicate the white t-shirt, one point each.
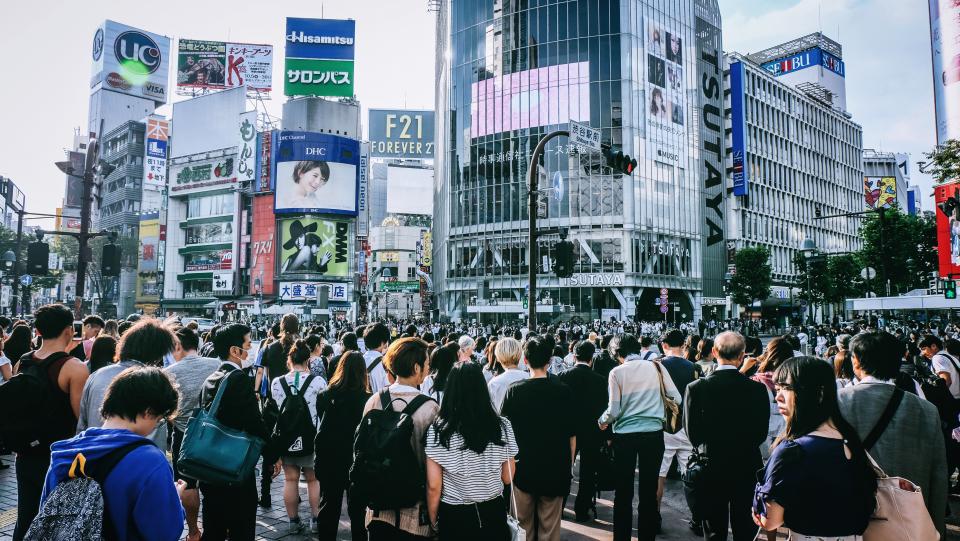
{"type": "Point", "coordinates": [941, 363]}
{"type": "Point", "coordinates": [498, 386]}
{"type": "Point", "coordinates": [3, 360]}
{"type": "Point", "coordinates": [378, 376]}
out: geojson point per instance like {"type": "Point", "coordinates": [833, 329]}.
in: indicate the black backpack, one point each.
{"type": "Point", "coordinates": [37, 400]}
{"type": "Point", "coordinates": [386, 471]}
{"type": "Point", "coordinates": [295, 430]}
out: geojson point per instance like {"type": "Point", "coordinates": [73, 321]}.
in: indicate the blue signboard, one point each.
{"type": "Point", "coordinates": [806, 59]}
{"type": "Point", "coordinates": [741, 175]}
{"type": "Point", "coordinates": [315, 173]}
{"type": "Point", "coordinates": [328, 39]}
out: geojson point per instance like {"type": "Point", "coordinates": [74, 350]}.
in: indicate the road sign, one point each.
{"type": "Point", "coordinates": [26, 280]}
{"type": "Point", "coordinates": [664, 309]}
{"type": "Point", "coordinates": [663, 291]}
{"type": "Point", "coordinates": [868, 273]}
{"type": "Point", "coordinates": [585, 136]}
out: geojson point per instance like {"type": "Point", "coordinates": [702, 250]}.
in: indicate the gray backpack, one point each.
{"type": "Point", "coordinates": [74, 511]}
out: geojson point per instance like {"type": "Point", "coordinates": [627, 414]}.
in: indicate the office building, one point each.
{"type": "Point", "coordinates": [648, 75]}
{"type": "Point", "coordinates": [795, 155]}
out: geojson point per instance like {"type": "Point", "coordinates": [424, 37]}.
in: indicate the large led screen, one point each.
{"type": "Point", "coordinates": [530, 99]}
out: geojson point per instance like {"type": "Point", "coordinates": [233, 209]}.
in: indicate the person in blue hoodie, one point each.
{"type": "Point", "coordinates": [141, 501]}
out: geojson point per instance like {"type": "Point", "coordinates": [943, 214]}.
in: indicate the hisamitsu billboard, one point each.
{"type": "Point", "coordinates": [400, 133]}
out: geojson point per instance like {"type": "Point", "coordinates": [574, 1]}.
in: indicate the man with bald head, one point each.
{"type": "Point", "coordinates": [726, 415]}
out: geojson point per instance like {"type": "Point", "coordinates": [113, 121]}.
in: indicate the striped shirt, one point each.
{"type": "Point", "coordinates": [469, 477]}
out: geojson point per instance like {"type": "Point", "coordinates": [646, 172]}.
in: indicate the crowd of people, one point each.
{"type": "Point", "coordinates": [470, 432]}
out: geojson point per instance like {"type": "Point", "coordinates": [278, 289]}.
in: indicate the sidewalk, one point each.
{"type": "Point", "coordinates": [272, 523]}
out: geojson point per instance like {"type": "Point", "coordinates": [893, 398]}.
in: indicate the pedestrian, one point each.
{"type": "Point", "coordinates": [58, 421]}
{"type": "Point", "coordinates": [546, 440]}
{"type": "Point", "coordinates": [706, 364]}
{"type": "Point", "coordinates": [466, 348]}
{"type": "Point", "coordinates": [233, 508]}
{"type": "Point", "coordinates": [92, 325]}
{"type": "Point", "coordinates": [141, 499]}
{"type": "Point", "coordinates": [298, 382]}
{"type": "Point", "coordinates": [491, 368]}
{"type": "Point", "coordinates": [6, 366]}
{"type": "Point", "coordinates": [376, 338]}
{"type": "Point", "coordinates": [682, 371]}
{"type": "Point", "coordinates": [605, 361]}
{"type": "Point", "coordinates": [896, 443]}
{"type": "Point", "coordinates": [843, 369]}
{"type": "Point", "coordinates": [110, 329]}
{"type": "Point", "coordinates": [589, 391]}
{"type": "Point", "coordinates": [507, 353]}
{"type": "Point", "coordinates": [441, 362]}
{"type": "Point", "coordinates": [407, 360]}
{"type": "Point", "coordinates": [103, 353]}
{"type": "Point", "coordinates": [18, 343]}
{"type": "Point", "coordinates": [189, 373]}
{"type": "Point", "coordinates": [947, 367]}
{"type": "Point", "coordinates": [340, 408]}
{"type": "Point", "coordinates": [145, 344]}
{"type": "Point", "coordinates": [470, 457]}
{"type": "Point", "coordinates": [690, 346]}
{"type": "Point", "coordinates": [635, 410]}
{"type": "Point", "coordinates": [273, 364]}
{"type": "Point", "coordinates": [646, 353]}
{"type": "Point", "coordinates": [726, 418]}
{"type": "Point", "coordinates": [818, 482]}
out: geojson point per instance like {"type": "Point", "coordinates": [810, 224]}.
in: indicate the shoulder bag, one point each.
{"type": "Point", "coordinates": [901, 514]}
{"type": "Point", "coordinates": [672, 416]}
{"type": "Point", "coordinates": [214, 453]}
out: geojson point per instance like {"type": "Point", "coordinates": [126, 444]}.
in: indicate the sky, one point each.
{"type": "Point", "coordinates": [44, 96]}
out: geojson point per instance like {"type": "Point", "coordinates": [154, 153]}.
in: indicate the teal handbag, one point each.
{"type": "Point", "coordinates": [214, 453]}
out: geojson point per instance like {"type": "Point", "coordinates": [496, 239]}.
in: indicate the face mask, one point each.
{"type": "Point", "coordinates": [246, 363]}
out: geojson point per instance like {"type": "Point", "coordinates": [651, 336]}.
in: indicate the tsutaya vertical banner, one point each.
{"type": "Point", "coordinates": [247, 150]}
{"type": "Point", "coordinates": [710, 79]}
{"type": "Point", "coordinates": [155, 154]}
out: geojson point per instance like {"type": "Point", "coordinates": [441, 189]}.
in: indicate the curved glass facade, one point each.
{"type": "Point", "coordinates": [510, 72]}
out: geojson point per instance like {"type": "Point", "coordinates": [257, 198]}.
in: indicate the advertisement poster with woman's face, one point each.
{"type": "Point", "coordinates": [316, 173]}
{"type": "Point", "coordinates": [311, 245]}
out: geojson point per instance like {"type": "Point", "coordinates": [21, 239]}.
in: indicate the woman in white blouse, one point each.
{"type": "Point", "coordinates": [470, 457]}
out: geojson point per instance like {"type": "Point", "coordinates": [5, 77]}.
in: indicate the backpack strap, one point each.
{"type": "Point", "coordinates": [102, 467]}
{"type": "Point", "coordinates": [306, 384]}
{"type": "Point", "coordinates": [885, 419]}
{"type": "Point", "coordinates": [385, 399]}
{"type": "Point", "coordinates": [415, 404]}
{"type": "Point", "coordinates": [374, 364]}
{"type": "Point", "coordinates": [285, 386]}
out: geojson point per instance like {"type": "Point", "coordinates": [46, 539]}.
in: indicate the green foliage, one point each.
{"type": "Point", "coordinates": [902, 249]}
{"type": "Point", "coordinates": [753, 279]}
{"type": "Point", "coordinates": [843, 272]}
{"type": "Point", "coordinates": [819, 282]}
{"type": "Point", "coordinates": [945, 161]}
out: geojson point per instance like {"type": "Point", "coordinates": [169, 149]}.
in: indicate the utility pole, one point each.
{"type": "Point", "coordinates": [532, 236]}
{"type": "Point", "coordinates": [16, 265]}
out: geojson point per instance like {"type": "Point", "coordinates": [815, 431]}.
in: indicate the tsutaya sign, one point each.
{"type": "Point", "coordinates": [594, 279]}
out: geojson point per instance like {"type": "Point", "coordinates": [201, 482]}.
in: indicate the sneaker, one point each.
{"type": "Point", "coordinates": [264, 501]}
{"type": "Point", "coordinates": [295, 526]}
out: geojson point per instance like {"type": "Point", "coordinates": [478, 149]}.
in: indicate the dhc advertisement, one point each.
{"type": "Point", "coordinates": [806, 59]}
{"type": "Point", "coordinates": [739, 123]}
{"type": "Point", "coordinates": [315, 173]}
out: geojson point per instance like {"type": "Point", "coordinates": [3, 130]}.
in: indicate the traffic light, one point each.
{"type": "Point", "coordinates": [564, 265]}
{"type": "Point", "coordinates": [951, 206]}
{"type": "Point", "coordinates": [110, 260]}
{"type": "Point", "coordinates": [619, 162]}
{"type": "Point", "coordinates": [949, 289]}
{"type": "Point", "coordinates": [38, 258]}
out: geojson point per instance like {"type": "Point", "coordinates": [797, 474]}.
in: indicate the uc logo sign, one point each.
{"type": "Point", "coordinates": [97, 44]}
{"type": "Point", "coordinates": [134, 46]}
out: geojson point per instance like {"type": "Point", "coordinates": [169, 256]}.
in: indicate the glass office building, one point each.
{"type": "Point", "coordinates": [648, 74]}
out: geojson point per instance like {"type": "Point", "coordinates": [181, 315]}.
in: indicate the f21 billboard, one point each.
{"type": "Point", "coordinates": [130, 61]}
{"type": "Point", "coordinates": [315, 173]}
{"type": "Point", "coordinates": [399, 133]}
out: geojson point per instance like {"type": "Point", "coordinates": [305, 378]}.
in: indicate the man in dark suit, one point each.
{"type": "Point", "coordinates": [234, 508]}
{"type": "Point", "coordinates": [726, 417]}
{"type": "Point", "coordinates": [590, 400]}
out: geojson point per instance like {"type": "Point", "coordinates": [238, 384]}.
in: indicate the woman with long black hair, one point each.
{"type": "Point", "coordinates": [441, 362]}
{"type": "Point", "coordinates": [819, 481]}
{"type": "Point", "coordinates": [470, 452]}
{"type": "Point", "coordinates": [340, 408]}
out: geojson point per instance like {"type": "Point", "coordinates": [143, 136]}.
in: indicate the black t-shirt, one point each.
{"type": "Point", "coordinates": [275, 359]}
{"type": "Point", "coordinates": [535, 408]}
{"type": "Point", "coordinates": [681, 371]}
{"type": "Point", "coordinates": [79, 352]}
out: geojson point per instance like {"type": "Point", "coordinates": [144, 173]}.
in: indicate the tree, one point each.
{"type": "Point", "coordinates": [843, 272]}
{"type": "Point", "coordinates": [752, 280]}
{"type": "Point", "coordinates": [901, 249]}
{"type": "Point", "coordinates": [944, 161]}
{"type": "Point", "coordinates": [819, 282]}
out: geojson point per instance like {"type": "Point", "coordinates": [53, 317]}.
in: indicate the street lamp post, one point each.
{"type": "Point", "coordinates": [809, 249]}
